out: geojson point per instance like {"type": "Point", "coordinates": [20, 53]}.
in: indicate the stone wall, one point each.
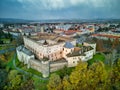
{"type": "Point", "coordinates": [42, 67]}
{"type": "Point", "coordinates": [57, 65]}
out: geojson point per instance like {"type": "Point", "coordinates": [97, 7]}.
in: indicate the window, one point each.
{"type": "Point", "coordinates": [60, 52]}
{"type": "Point", "coordinates": [74, 58]}
{"type": "Point", "coordinates": [51, 55]}
{"type": "Point", "coordinates": [73, 61]}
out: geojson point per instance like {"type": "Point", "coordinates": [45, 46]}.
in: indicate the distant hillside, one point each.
{"type": "Point", "coordinates": [12, 20]}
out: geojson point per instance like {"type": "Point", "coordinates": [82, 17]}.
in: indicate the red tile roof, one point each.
{"type": "Point", "coordinates": [105, 35]}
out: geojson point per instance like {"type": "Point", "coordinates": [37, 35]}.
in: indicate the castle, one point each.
{"type": "Point", "coordinates": [50, 52]}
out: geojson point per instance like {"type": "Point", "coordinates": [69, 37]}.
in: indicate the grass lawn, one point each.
{"type": "Point", "coordinates": [96, 57]}
{"type": "Point", "coordinates": [34, 72]}
{"type": "Point", "coordinates": [19, 64]}
{"type": "Point", "coordinates": [7, 47]}
{"type": "Point", "coordinates": [1, 47]}
{"type": "Point", "coordinates": [5, 39]}
{"type": "Point", "coordinates": [9, 64]}
{"type": "Point", "coordinates": [40, 84]}
{"type": "Point", "coordinates": [79, 45]}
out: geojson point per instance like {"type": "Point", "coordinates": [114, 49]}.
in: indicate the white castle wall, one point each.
{"type": "Point", "coordinates": [24, 57]}
{"type": "Point", "coordinates": [73, 61]}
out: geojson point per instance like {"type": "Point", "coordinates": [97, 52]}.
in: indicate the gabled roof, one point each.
{"type": "Point", "coordinates": [68, 45]}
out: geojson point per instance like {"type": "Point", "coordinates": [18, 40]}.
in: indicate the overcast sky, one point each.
{"type": "Point", "coordinates": [59, 9]}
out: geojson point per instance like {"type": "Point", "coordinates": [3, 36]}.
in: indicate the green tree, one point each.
{"type": "Point", "coordinates": [78, 76]}
{"type": "Point", "coordinates": [54, 82]}
{"type": "Point", "coordinates": [115, 76]}
{"type": "Point", "coordinates": [64, 71]}
{"type": "Point", "coordinates": [27, 85]}
{"type": "Point", "coordinates": [15, 80]}
{"type": "Point", "coordinates": [12, 74]}
{"type": "Point", "coordinates": [3, 78]}
{"type": "Point", "coordinates": [98, 76]}
{"type": "Point", "coordinates": [86, 77]}
{"type": "Point", "coordinates": [66, 83]}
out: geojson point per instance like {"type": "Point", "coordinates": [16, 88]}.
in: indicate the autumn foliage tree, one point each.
{"type": "Point", "coordinates": [115, 43]}
{"type": "Point", "coordinates": [54, 82]}
{"type": "Point", "coordinates": [115, 76]}
{"type": "Point", "coordinates": [85, 77]}
{"type": "Point", "coordinates": [99, 45]}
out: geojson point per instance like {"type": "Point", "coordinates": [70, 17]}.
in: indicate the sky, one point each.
{"type": "Point", "coordinates": [60, 9]}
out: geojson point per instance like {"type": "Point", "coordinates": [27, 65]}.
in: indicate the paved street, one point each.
{"type": "Point", "coordinates": [7, 50]}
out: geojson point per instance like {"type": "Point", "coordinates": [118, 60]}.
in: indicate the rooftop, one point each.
{"type": "Point", "coordinates": [25, 50]}
{"type": "Point", "coordinates": [105, 35]}
{"type": "Point", "coordinates": [51, 39]}
{"type": "Point", "coordinates": [68, 45]}
{"type": "Point", "coordinates": [80, 51]}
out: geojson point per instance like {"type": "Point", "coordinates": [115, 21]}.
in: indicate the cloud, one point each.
{"type": "Point", "coordinates": [45, 9]}
{"type": "Point", "coordinates": [61, 4]}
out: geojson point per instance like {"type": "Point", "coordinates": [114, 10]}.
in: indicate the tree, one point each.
{"type": "Point", "coordinates": [115, 43]}
{"type": "Point", "coordinates": [27, 85]}
{"type": "Point", "coordinates": [54, 82]}
{"type": "Point", "coordinates": [64, 71]}
{"type": "Point", "coordinates": [66, 83]}
{"type": "Point", "coordinates": [9, 35]}
{"type": "Point", "coordinates": [12, 74]}
{"type": "Point", "coordinates": [86, 77]}
{"type": "Point", "coordinates": [99, 45]}
{"type": "Point", "coordinates": [98, 76]}
{"type": "Point", "coordinates": [15, 80]}
{"type": "Point", "coordinates": [3, 78]}
{"type": "Point", "coordinates": [2, 57]}
{"type": "Point", "coordinates": [20, 39]}
{"type": "Point", "coordinates": [24, 34]}
{"type": "Point", "coordinates": [115, 76]}
{"type": "Point", "coordinates": [78, 76]}
{"type": "Point", "coordinates": [29, 34]}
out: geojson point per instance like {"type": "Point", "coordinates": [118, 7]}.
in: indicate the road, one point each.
{"type": "Point", "coordinates": [6, 50]}
{"type": "Point", "coordinates": [25, 72]}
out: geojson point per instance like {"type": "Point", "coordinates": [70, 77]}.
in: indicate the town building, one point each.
{"type": "Point", "coordinates": [107, 35]}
